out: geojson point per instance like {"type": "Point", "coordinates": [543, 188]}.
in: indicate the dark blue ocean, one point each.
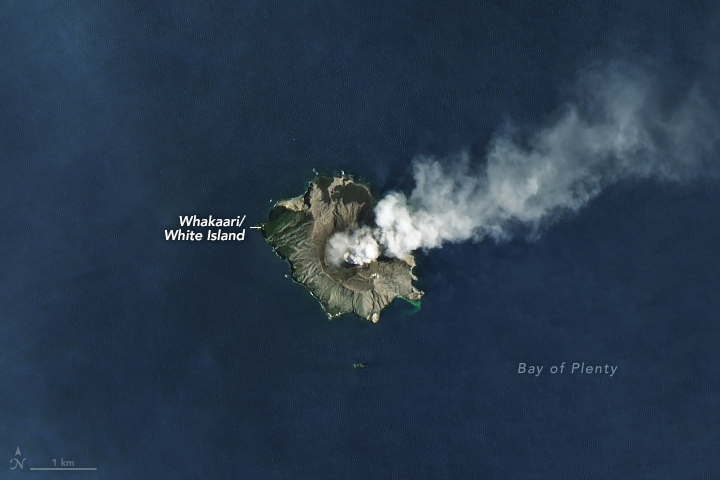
{"type": "Point", "coordinates": [153, 359]}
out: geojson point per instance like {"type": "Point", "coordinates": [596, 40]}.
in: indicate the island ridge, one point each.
{"type": "Point", "coordinates": [299, 229]}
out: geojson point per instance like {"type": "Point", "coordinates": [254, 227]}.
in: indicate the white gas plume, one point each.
{"type": "Point", "coordinates": [618, 129]}
{"type": "Point", "coordinates": [357, 247]}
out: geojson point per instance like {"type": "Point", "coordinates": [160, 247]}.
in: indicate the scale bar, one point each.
{"type": "Point", "coordinates": [63, 468]}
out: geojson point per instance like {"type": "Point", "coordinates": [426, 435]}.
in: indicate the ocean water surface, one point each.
{"type": "Point", "coordinates": [147, 358]}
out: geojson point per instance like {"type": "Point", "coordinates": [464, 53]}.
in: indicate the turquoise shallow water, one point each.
{"type": "Point", "coordinates": [414, 306]}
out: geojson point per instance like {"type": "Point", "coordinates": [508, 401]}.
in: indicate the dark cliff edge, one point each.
{"type": "Point", "coordinates": [298, 229]}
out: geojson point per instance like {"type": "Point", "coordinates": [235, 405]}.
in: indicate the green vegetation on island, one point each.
{"type": "Point", "coordinates": [299, 229]}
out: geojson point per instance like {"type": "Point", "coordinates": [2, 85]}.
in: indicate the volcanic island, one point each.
{"type": "Point", "coordinates": [299, 229]}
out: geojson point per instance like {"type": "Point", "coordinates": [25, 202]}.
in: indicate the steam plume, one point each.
{"type": "Point", "coordinates": [358, 247]}
{"type": "Point", "coordinates": [616, 130]}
